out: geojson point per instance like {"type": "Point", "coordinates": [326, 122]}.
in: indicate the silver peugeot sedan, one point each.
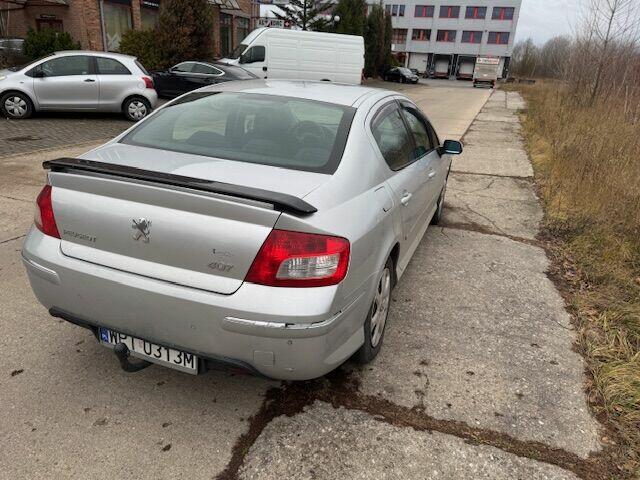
{"type": "Point", "coordinates": [81, 81]}
{"type": "Point", "coordinates": [259, 225]}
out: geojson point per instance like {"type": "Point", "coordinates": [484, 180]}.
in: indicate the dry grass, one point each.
{"type": "Point", "coordinates": [587, 164]}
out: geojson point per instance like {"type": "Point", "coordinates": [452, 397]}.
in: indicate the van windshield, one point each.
{"type": "Point", "coordinates": [238, 51]}
{"type": "Point", "coordinates": [285, 132]}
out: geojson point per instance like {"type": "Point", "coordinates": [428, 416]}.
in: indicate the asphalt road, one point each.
{"type": "Point", "coordinates": [477, 377]}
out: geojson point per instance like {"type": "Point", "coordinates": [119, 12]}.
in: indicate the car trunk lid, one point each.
{"type": "Point", "coordinates": [197, 232]}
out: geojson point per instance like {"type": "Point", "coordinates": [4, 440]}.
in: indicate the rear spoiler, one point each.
{"type": "Point", "coordinates": [281, 201]}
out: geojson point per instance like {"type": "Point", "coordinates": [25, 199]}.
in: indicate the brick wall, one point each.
{"type": "Point", "coordinates": [81, 18]}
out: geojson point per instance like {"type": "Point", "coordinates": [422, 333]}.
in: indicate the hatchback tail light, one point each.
{"type": "Point", "coordinates": [148, 82]}
{"type": "Point", "coordinates": [296, 259]}
{"type": "Point", "coordinates": [44, 218]}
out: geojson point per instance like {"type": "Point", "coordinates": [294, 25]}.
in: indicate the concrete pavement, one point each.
{"type": "Point", "coordinates": [477, 378]}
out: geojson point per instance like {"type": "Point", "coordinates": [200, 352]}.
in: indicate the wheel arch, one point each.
{"type": "Point", "coordinates": [34, 102]}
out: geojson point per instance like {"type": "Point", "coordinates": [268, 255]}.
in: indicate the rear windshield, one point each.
{"type": "Point", "coordinates": [238, 72]}
{"type": "Point", "coordinates": [285, 132]}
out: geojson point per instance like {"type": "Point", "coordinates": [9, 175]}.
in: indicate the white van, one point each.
{"type": "Point", "coordinates": [301, 55]}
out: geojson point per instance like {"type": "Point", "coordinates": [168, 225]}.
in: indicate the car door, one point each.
{"type": "Point", "coordinates": [254, 60]}
{"type": "Point", "coordinates": [409, 173]}
{"type": "Point", "coordinates": [66, 83]}
{"type": "Point", "coordinates": [201, 75]}
{"type": "Point", "coordinates": [426, 150]}
{"type": "Point", "coordinates": [115, 81]}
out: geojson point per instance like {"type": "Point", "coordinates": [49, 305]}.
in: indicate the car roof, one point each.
{"type": "Point", "coordinates": [338, 93]}
{"type": "Point", "coordinates": [93, 53]}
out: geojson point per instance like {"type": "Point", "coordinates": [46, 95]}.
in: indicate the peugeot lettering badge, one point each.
{"type": "Point", "coordinates": [142, 228]}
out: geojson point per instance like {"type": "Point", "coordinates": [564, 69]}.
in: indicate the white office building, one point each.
{"type": "Point", "coordinates": [446, 36]}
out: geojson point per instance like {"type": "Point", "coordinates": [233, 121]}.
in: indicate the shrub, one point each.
{"type": "Point", "coordinates": [143, 44]}
{"type": "Point", "coordinates": [46, 41]}
{"type": "Point", "coordinates": [185, 30]}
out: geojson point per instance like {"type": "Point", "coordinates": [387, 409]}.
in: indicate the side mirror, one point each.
{"type": "Point", "coordinates": [450, 147]}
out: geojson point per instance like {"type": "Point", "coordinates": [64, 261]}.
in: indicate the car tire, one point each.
{"type": "Point", "coordinates": [16, 105]}
{"type": "Point", "coordinates": [136, 108]}
{"type": "Point", "coordinates": [437, 217]}
{"type": "Point", "coordinates": [374, 324]}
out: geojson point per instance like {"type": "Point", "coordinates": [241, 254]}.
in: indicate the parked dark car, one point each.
{"type": "Point", "coordinates": [187, 76]}
{"type": "Point", "coordinates": [400, 74]}
{"type": "Point", "coordinates": [415, 71]}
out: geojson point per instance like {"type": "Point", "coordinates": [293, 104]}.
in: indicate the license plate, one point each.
{"type": "Point", "coordinates": [168, 357]}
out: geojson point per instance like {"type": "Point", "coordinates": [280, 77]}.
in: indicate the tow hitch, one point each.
{"type": "Point", "coordinates": [122, 352]}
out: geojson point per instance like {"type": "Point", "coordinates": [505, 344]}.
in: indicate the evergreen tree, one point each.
{"type": "Point", "coordinates": [352, 15]}
{"type": "Point", "coordinates": [306, 14]}
{"type": "Point", "coordinates": [185, 30]}
{"type": "Point", "coordinates": [374, 41]}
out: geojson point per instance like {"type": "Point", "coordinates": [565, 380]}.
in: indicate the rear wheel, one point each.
{"type": "Point", "coordinates": [376, 320]}
{"type": "Point", "coordinates": [16, 105]}
{"type": "Point", "coordinates": [136, 108]}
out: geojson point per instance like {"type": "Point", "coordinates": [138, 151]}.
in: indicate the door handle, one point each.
{"type": "Point", "coordinates": [89, 80]}
{"type": "Point", "coordinates": [406, 198]}
{"type": "Point", "coordinates": [431, 174]}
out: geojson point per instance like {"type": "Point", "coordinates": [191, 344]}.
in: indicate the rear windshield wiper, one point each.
{"type": "Point", "coordinates": [281, 201]}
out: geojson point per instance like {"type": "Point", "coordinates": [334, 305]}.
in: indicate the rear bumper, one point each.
{"type": "Point", "coordinates": [283, 333]}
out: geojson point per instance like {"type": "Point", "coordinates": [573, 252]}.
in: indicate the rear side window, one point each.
{"type": "Point", "coordinates": [392, 138]}
{"type": "Point", "coordinates": [141, 67]}
{"type": "Point", "coordinates": [109, 66]}
{"type": "Point", "coordinates": [418, 127]}
{"type": "Point", "coordinates": [67, 66]}
{"type": "Point", "coordinates": [205, 69]}
{"type": "Point", "coordinates": [270, 130]}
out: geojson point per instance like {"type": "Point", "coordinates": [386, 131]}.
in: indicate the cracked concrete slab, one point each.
{"type": "Point", "coordinates": [500, 204]}
{"type": "Point", "coordinates": [478, 333]}
{"type": "Point", "coordinates": [488, 159]}
{"type": "Point", "coordinates": [328, 443]}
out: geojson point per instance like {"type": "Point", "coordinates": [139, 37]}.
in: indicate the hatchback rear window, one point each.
{"type": "Point", "coordinates": [270, 130]}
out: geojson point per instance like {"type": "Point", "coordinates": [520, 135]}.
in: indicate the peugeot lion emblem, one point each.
{"type": "Point", "coordinates": [142, 228]}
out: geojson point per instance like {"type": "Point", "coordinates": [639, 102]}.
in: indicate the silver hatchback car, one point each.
{"type": "Point", "coordinates": [78, 81]}
{"type": "Point", "coordinates": [258, 224]}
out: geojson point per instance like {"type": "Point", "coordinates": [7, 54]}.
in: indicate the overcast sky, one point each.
{"type": "Point", "coordinates": [544, 19]}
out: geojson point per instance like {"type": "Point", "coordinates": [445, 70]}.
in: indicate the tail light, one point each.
{"type": "Point", "coordinates": [296, 259]}
{"type": "Point", "coordinates": [44, 218]}
{"type": "Point", "coordinates": [148, 82]}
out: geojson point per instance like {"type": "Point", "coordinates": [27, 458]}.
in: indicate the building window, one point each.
{"type": "Point", "coordinates": [424, 11]}
{"type": "Point", "coordinates": [502, 13]}
{"type": "Point", "coordinates": [117, 22]}
{"type": "Point", "coordinates": [242, 29]}
{"type": "Point", "coordinates": [498, 38]}
{"type": "Point", "coordinates": [226, 28]}
{"type": "Point", "coordinates": [149, 13]}
{"type": "Point", "coordinates": [446, 36]}
{"type": "Point", "coordinates": [51, 23]}
{"type": "Point", "coordinates": [396, 10]}
{"type": "Point", "coordinates": [448, 11]}
{"type": "Point", "coordinates": [469, 36]}
{"type": "Point", "coordinates": [476, 12]}
{"type": "Point", "coordinates": [399, 35]}
{"type": "Point", "coordinates": [421, 34]}
{"type": "Point", "coordinates": [387, 8]}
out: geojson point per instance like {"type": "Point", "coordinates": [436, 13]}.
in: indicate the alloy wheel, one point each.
{"type": "Point", "coordinates": [137, 110]}
{"type": "Point", "coordinates": [380, 307]}
{"type": "Point", "coordinates": [15, 106]}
